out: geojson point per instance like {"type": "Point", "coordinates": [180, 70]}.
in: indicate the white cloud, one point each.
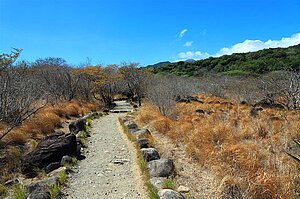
{"type": "Point", "coordinates": [246, 46]}
{"type": "Point", "coordinates": [188, 43]}
{"type": "Point", "coordinates": [255, 45]}
{"type": "Point", "coordinates": [182, 33]}
{"type": "Point", "coordinates": [192, 55]}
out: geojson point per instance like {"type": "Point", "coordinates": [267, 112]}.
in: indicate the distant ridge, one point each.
{"type": "Point", "coordinates": [258, 62]}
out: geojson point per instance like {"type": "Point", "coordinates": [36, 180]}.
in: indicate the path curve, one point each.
{"type": "Point", "coordinates": [110, 169]}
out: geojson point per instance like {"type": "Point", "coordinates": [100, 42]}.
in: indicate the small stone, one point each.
{"type": "Point", "coordinates": [65, 160]}
{"type": "Point", "coordinates": [183, 189]}
{"type": "Point", "coordinates": [121, 161]}
{"type": "Point", "coordinates": [169, 193]}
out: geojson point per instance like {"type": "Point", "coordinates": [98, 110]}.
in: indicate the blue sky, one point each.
{"type": "Point", "coordinates": [145, 31]}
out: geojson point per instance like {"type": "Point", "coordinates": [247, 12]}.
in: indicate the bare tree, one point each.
{"type": "Point", "coordinates": [136, 79]}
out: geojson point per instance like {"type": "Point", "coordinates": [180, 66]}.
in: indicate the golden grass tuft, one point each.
{"type": "Point", "coordinates": [17, 136]}
{"type": "Point", "coordinates": [45, 121]}
{"type": "Point", "coordinates": [72, 109]}
{"type": "Point", "coordinates": [250, 151]}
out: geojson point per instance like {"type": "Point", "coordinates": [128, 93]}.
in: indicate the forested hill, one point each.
{"type": "Point", "coordinates": [236, 64]}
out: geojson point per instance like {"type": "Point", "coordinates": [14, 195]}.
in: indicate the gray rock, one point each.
{"type": "Point", "coordinates": [77, 126]}
{"type": "Point", "coordinates": [157, 182]}
{"type": "Point", "coordinates": [141, 133]}
{"type": "Point", "coordinates": [132, 126]}
{"type": "Point", "coordinates": [51, 180]}
{"type": "Point", "coordinates": [150, 154]}
{"type": "Point", "coordinates": [52, 166]}
{"type": "Point", "coordinates": [57, 171]}
{"type": "Point", "coordinates": [161, 168]}
{"type": "Point", "coordinates": [40, 190]}
{"type": "Point", "coordinates": [66, 160]}
{"type": "Point", "coordinates": [50, 149]}
{"type": "Point", "coordinates": [143, 143]}
{"type": "Point", "coordinates": [169, 194]}
{"type": "Point", "coordinates": [39, 195]}
{"type": "Point", "coordinates": [124, 119]}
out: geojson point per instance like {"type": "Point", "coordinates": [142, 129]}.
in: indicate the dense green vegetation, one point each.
{"type": "Point", "coordinates": [259, 62]}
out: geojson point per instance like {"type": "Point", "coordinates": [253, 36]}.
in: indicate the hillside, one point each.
{"type": "Point", "coordinates": [239, 63]}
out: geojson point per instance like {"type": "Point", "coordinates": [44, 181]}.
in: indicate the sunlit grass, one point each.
{"type": "Point", "coordinates": [250, 151]}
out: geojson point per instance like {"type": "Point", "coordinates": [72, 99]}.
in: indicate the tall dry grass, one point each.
{"type": "Point", "coordinates": [24, 138]}
{"type": "Point", "coordinates": [48, 119]}
{"type": "Point", "coordinates": [246, 153]}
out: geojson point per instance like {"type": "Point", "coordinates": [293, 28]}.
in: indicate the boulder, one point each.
{"type": "Point", "coordinates": [132, 127]}
{"type": "Point", "coordinates": [77, 126]}
{"type": "Point", "coordinates": [66, 160]}
{"type": "Point", "coordinates": [161, 168]}
{"type": "Point", "coordinates": [143, 143]}
{"type": "Point", "coordinates": [40, 190]}
{"type": "Point", "coordinates": [39, 194]}
{"type": "Point", "coordinates": [150, 154]}
{"type": "Point", "coordinates": [169, 194]}
{"type": "Point", "coordinates": [52, 166]}
{"type": "Point", "coordinates": [142, 133]}
{"type": "Point", "coordinates": [50, 149]}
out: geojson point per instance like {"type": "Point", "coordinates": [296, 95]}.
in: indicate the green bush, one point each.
{"type": "Point", "coordinates": [169, 184]}
{"type": "Point", "coordinates": [19, 192]}
{"type": "Point", "coordinates": [54, 191]}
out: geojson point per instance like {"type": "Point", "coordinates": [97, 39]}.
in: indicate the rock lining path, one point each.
{"type": "Point", "coordinates": [110, 169]}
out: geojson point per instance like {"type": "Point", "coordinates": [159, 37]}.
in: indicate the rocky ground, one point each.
{"type": "Point", "coordinates": [109, 169]}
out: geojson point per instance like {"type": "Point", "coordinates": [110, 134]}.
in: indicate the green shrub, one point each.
{"type": "Point", "coordinates": [62, 176]}
{"type": "Point", "coordinates": [19, 192]}
{"type": "Point", "coordinates": [168, 184]}
{"type": "Point", "coordinates": [152, 191]}
{"type": "Point", "coordinates": [54, 191]}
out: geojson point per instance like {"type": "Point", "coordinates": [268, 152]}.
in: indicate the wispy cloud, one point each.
{"type": "Point", "coordinates": [243, 47]}
{"type": "Point", "coordinates": [182, 33]}
{"type": "Point", "coordinates": [188, 43]}
{"type": "Point", "coordinates": [192, 55]}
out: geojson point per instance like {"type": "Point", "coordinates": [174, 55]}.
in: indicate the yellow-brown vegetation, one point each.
{"type": "Point", "coordinates": [247, 154]}
{"type": "Point", "coordinates": [25, 137]}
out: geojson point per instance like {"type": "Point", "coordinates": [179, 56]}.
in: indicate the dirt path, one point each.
{"type": "Point", "coordinates": [110, 169]}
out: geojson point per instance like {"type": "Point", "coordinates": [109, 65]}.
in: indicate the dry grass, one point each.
{"type": "Point", "coordinates": [48, 119]}
{"type": "Point", "coordinates": [24, 138]}
{"type": "Point", "coordinates": [247, 154]}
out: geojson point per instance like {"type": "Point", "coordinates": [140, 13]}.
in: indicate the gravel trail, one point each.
{"type": "Point", "coordinates": [109, 169]}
